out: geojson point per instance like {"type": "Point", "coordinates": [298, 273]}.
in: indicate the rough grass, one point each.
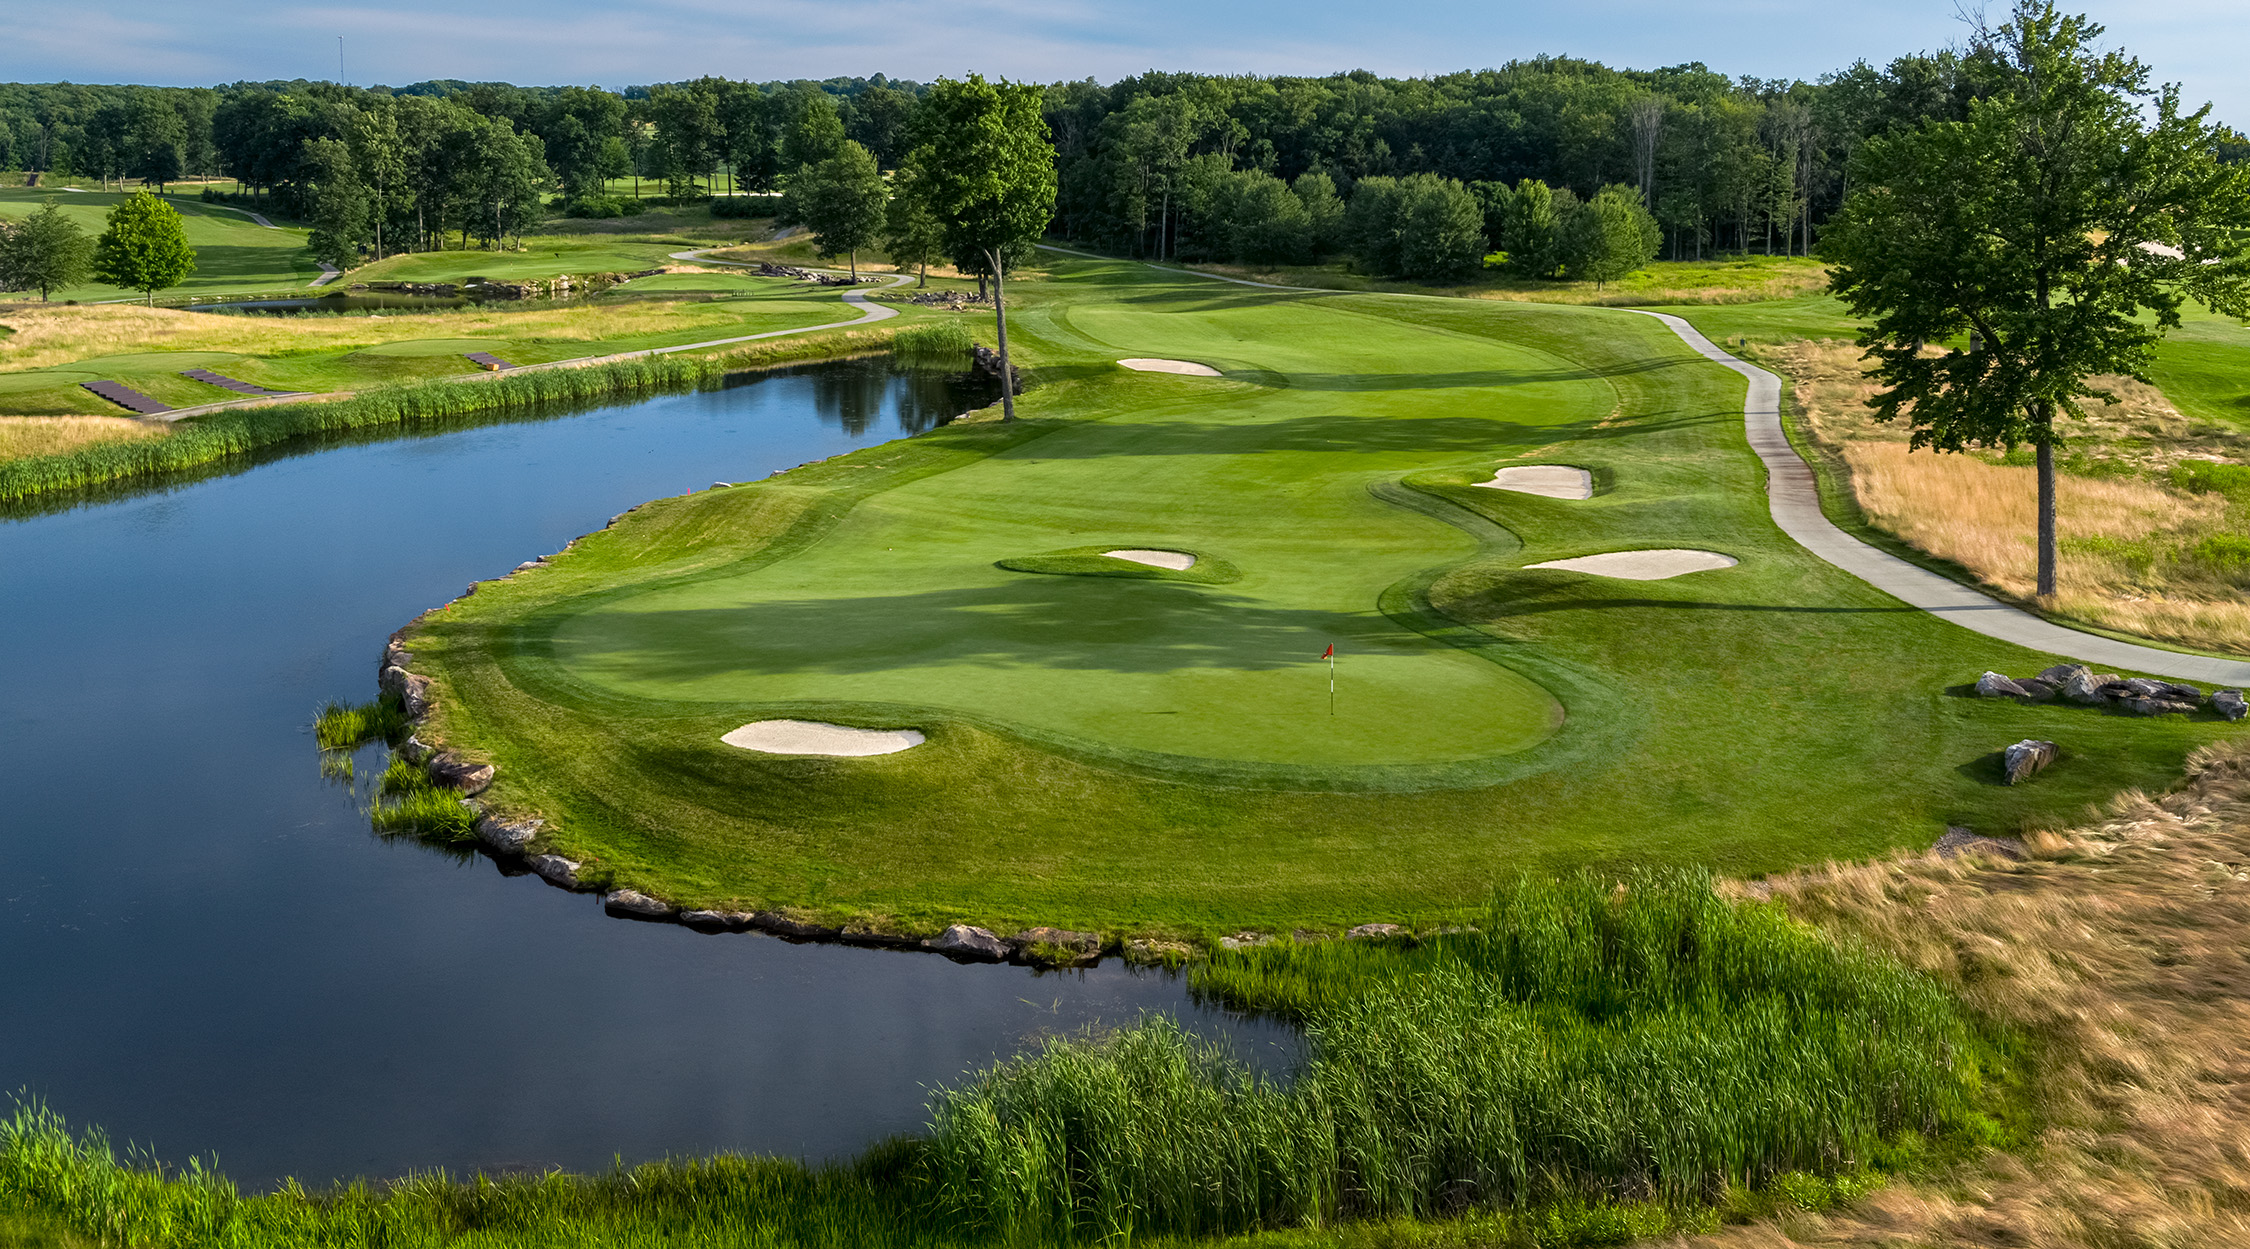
{"type": "Point", "coordinates": [22, 437]}
{"type": "Point", "coordinates": [2147, 541]}
{"type": "Point", "coordinates": [342, 726]}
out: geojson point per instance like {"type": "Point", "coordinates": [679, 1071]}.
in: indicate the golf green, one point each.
{"type": "Point", "coordinates": [1126, 748]}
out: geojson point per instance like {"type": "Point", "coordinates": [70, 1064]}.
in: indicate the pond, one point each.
{"type": "Point", "coordinates": [207, 950]}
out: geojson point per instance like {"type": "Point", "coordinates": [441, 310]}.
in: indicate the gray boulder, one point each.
{"type": "Point", "coordinates": [1060, 945]}
{"type": "Point", "coordinates": [2087, 687]}
{"type": "Point", "coordinates": [1993, 685]}
{"type": "Point", "coordinates": [782, 925]}
{"type": "Point", "coordinates": [411, 691]}
{"type": "Point", "coordinates": [969, 943]}
{"type": "Point", "coordinates": [633, 904]}
{"type": "Point", "coordinates": [454, 772]}
{"type": "Point", "coordinates": [2026, 759]}
{"type": "Point", "coordinates": [555, 869]}
{"type": "Point", "coordinates": [2040, 689]}
{"type": "Point", "coordinates": [1245, 940]}
{"type": "Point", "coordinates": [728, 920]}
{"type": "Point", "coordinates": [2060, 674]}
{"type": "Point", "coordinates": [507, 836]}
{"type": "Point", "coordinates": [2229, 703]}
{"type": "Point", "coordinates": [2155, 706]}
{"type": "Point", "coordinates": [394, 656]}
{"type": "Point", "coordinates": [413, 749]}
{"type": "Point", "coordinates": [1376, 930]}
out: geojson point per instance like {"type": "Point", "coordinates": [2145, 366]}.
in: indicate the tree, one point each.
{"type": "Point", "coordinates": [44, 252]}
{"type": "Point", "coordinates": [1324, 212]}
{"type": "Point", "coordinates": [1530, 231]}
{"type": "Point", "coordinates": [813, 132]}
{"type": "Point", "coordinates": [343, 217]}
{"type": "Point", "coordinates": [841, 201]}
{"type": "Point", "coordinates": [912, 233]}
{"type": "Point", "coordinates": [145, 247]}
{"type": "Point", "coordinates": [1608, 236]}
{"type": "Point", "coordinates": [2062, 221]}
{"type": "Point", "coordinates": [986, 159]}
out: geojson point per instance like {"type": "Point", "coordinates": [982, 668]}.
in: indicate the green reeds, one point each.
{"type": "Point", "coordinates": [940, 342]}
{"type": "Point", "coordinates": [1583, 1044]}
{"type": "Point", "coordinates": [346, 726]}
{"type": "Point", "coordinates": [407, 801]}
{"type": "Point", "coordinates": [204, 440]}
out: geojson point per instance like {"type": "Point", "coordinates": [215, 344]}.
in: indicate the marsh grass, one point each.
{"type": "Point", "coordinates": [943, 342]}
{"type": "Point", "coordinates": [407, 802]}
{"type": "Point", "coordinates": [347, 726]}
{"type": "Point", "coordinates": [22, 437]}
{"type": "Point", "coordinates": [1582, 1045]}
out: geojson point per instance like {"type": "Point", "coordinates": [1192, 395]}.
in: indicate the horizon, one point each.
{"type": "Point", "coordinates": [2198, 43]}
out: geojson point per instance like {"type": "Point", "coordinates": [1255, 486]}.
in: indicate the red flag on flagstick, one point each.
{"type": "Point", "coordinates": [1330, 656]}
{"type": "Point", "coordinates": [1330, 653]}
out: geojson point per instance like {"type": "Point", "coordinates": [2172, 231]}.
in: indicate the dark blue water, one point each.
{"type": "Point", "coordinates": [205, 950]}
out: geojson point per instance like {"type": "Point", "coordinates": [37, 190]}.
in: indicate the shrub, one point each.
{"type": "Point", "coordinates": [2226, 554]}
{"type": "Point", "coordinates": [600, 206]}
{"type": "Point", "coordinates": [2204, 477]}
{"type": "Point", "coordinates": [735, 206]}
{"type": "Point", "coordinates": [1422, 227]}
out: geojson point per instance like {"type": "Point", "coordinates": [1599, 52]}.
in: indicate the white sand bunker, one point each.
{"type": "Point", "coordinates": [1643, 565]}
{"type": "Point", "coordinates": [1185, 368]}
{"type": "Point", "coordinates": [812, 737]}
{"type": "Point", "coordinates": [1177, 561]}
{"type": "Point", "coordinates": [1555, 481]}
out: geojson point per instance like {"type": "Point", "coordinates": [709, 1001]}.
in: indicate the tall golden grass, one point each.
{"type": "Point", "coordinates": [22, 436]}
{"type": "Point", "coordinates": [2128, 541]}
{"type": "Point", "coordinates": [2121, 948]}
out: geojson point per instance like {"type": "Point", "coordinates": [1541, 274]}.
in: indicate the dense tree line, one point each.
{"type": "Point", "coordinates": [1596, 167]}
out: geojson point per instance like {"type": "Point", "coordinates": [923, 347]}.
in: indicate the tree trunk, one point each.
{"type": "Point", "coordinates": [854, 262]}
{"type": "Point", "coordinates": [925, 280]}
{"type": "Point", "coordinates": [2046, 506]}
{"type": "Point", "coordinates": [1000, 316]}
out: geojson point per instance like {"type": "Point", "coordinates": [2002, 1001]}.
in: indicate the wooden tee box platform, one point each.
{"type": "Point", "coordinates": [486, 360]}
{"type": "Point", "coordinates": [127, 398]}
{"type": "Point", "coordinates": [207, 377]}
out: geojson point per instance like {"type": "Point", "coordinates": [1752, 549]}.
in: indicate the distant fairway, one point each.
{"type": "Point", "coordinates": [233, 254]}
{"type": "Point", "coordinates": [1120, 747]}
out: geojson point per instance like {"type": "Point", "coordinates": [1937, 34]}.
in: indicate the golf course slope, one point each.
{"type": "Point", "coordinates": [1114, 745]}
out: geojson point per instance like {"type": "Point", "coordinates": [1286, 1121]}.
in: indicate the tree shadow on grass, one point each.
{"type": "Point", "coordinates": [1340, 432]}
{"type": "Point", "coordinates": [1082, 624]}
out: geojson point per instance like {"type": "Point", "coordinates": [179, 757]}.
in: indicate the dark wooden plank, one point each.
{"type": "Point", "coordinates": [207, 377]}
{"type": "Point", "coordinates": [126, 397]}
{"type": "Point", "coordinates": [488, 360]}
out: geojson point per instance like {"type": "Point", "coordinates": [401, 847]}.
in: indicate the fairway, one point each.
{"type": "Point", "coordinates": [1115, 746]}
{"type": "Point", "coordinates": [233, 254]}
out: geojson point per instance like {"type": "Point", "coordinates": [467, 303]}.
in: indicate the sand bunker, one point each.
{"type": "Point", "coordinates": [1185, 368]}
{"type": "Point", "coordinates": [1643, 565]}
{"type": "Point", "coordinates": [1555, 481]}
{"type": "Point", "coordinates": [811, 737]}
{"type": "Point", "coordinates": [1177, 561]}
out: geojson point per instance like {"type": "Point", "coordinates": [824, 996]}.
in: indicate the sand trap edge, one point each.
{"type": "Point", "coordinates": [817, 737]}
{"type": "Point", "coordinates": [1649, 565]}
{"type": "Point", "coordinates": [1550, 481]}
{"type": "Point", "coordinates": [1177, 561]}
{"type": "Point", "coordinates": [1183, 368]}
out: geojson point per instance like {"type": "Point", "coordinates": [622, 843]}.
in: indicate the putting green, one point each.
{"type": "Point", "coordinates": [904, 605]}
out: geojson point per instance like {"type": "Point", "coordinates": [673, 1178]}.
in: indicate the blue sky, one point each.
{"type": "Point", "coordinates": [2204, 44]}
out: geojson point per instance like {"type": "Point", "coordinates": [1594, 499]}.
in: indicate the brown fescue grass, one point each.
{"type": "Point", "coordinates": [2126, 559]}
{"type": "Point", "coordinates": [22, 436]}
{"type": "Point", "coordinates": [2123, 949]}
{"type": "Point", "coordinates": [1735, 280]}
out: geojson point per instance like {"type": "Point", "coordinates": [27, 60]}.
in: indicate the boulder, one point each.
{"type": "Point", "coordinates": [2040, 689]}
{"type": "Point", "coordinates": [1365, 931]}
{"type": "Point", "coordinates": [507, 836]}
{"type": "Point", "coordinates": [2059, 675]}
{"type": "Point", "coordinates": [454, 772]}
{"type": "Point", "coordinates": [412, 692]}
{"type": "Point", "coordinates": [1959, 841]}
{"type": "Point", "coordinates": [633, 904]}
{"type": "Point", "coordinates": [2155, 706]}
{"type": "Point", "coordinates": [1245, 940]}
{"type": "Point", "coordinates": [2229, 703]}
{"type": "Point", "coordinates": [413, 750]}
{"type": "Point", "coordinates": [555, 869]}
{"type": "Point", "coordinates": [1993, 685]}
{"type": "Point", "coordinates": [969, 944]}
{"type": "Point", "coordinates": [2026, 759]}
{"type": "Point", "coordinates": [1151, 950]}
{"type": "Point", "coordinates": [716, 921]}
{"type": "Point", "coordinates": [2086, 687]}
{"type": "Point", "coordinates": [782, 925]}
{"type": "Point", "coordinates": [394, 656]}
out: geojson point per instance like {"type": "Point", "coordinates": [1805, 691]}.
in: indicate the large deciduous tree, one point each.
{"type": "Point", "coordinates": [44, 252]}
{"type": "Point", "coordinates": [988, 171]}
{"type": "Point", "coordinates": [840, 200]}
{"type": "Point", "coordinates": [145, 247]}
{"type": "Point", "coordinates": [2063, 221]}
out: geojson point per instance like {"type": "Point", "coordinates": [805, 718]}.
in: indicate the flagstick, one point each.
{"type": "Point", "coordinates": [1331, 680]}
